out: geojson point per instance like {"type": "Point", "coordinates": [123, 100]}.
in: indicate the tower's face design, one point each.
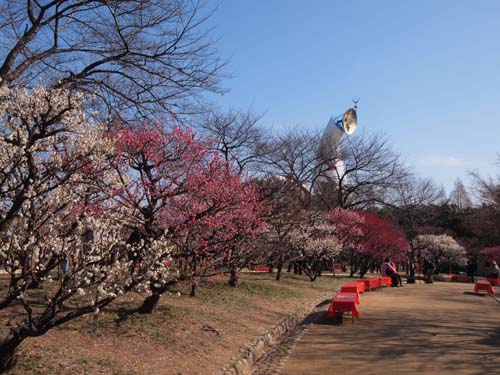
{"type": "Point", "coordinates": [350, 120]}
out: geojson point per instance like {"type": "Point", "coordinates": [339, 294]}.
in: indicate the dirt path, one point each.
{"type": "Point", "coordinates": [419, 329]}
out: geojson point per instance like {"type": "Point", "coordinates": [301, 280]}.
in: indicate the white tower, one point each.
{"type": "Point", "coordinates": [330, 141]}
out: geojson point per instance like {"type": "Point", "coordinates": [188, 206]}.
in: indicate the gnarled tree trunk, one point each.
{"type": "Point", "coordinates": [7, 300]}
{"type": "Point", "coordinates": [8, 347]}
{"type": "Point", "coordinates": [233, 278]}
{"type": "Point", "coordinates": [150, 303]}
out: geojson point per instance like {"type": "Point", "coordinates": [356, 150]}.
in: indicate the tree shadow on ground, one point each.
{"type": "Point", "coordinates": [123, 314]}
{"type": "Point", "coordinates": [477, 294]}
{"type": "Point", "coordinates": [462, 343]}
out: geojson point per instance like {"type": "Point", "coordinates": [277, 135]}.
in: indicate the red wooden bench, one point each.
{"type": "Point", "coordinates": [353, 287]}
{"type": "Point", "coordinates": [494, 281]}
{"type": "Point", "coordinates": [371, 283]}
{"type": "Point", "coordinates": [261, 269]}
{"type": "Point", "coordinates": [339, 306]}
{"type": "Point", "coordinates": [385, 281]}
{"type": "Point", "coordinates": [462, 279]}
{"type": "Point", "coordinates": [484, 285]}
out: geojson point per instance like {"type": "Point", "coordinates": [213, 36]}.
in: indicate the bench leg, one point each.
{"type": "Point", "coordinates": [338, 318]}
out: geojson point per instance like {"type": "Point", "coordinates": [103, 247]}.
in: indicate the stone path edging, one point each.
{"type": "Point", "coordinates": [252, 353]}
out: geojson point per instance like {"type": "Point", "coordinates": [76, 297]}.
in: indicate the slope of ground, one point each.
{"type": "Point", "coordinates": [185, 336]}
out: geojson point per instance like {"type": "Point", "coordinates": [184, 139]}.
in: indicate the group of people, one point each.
{"type": "Point", "coordinates": [388, 268]}
{"type": "Point", "coordinates": [493, 271]}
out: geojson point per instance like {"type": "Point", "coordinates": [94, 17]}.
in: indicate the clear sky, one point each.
{"type": "Point", "coordinates": [427, 72]}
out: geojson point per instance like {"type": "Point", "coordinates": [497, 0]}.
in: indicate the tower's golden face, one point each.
{"type": "Point", "coordinates": [350, 121]}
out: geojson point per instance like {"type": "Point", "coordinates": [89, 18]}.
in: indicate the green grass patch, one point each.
{"type": "Point", "coordinates": [105, 362]}
{"type": "Point", "coordinates": [32, 365]}
{"type": "Point", "coordinates": [266, 289]}
{"type": "Point", "coordinates": [155, 334]}
{"type": "Point", "coordinates": [83, 360]}
{"type": "Point", "coordinates": [222, 295]}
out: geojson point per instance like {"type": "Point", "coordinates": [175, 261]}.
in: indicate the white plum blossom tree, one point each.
{"type": "Point", "coordinates": [440, 248]}
{"type": "Point", "coordinates": [51, 214]}
{"type": "Point", "coordinates": [312, 245]}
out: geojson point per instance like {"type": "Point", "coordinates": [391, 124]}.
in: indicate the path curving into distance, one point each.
{"type": "Point", "coordinates": [442, 328]}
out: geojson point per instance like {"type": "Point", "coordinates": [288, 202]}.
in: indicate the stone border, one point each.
{"type": "Point", "coordinates": [248, 356]}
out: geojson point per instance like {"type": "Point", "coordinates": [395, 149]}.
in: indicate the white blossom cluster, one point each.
{"type": "Point", "coordinates": [440, 247]}
{"type": "Point", "coordinates": [317, 239]}
{"type": "Point", "coordinates": [57, 221]}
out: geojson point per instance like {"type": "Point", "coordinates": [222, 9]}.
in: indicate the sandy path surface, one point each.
{"type": "Point", "coordinates": [418, 329]}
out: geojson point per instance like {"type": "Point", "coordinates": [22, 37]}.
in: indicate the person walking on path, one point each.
{"type": "Point", "coordinates": [428, 267]}
{"type": "Point", "coordinates": [471, 269]}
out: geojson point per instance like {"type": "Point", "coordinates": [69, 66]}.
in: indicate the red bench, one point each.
{"type": "Point", "coordinates": [353, 287]}
{"type": "Point", "coordinates": [484, 285]}
{"type": "Point", "coordinates": [339, 306]}
{"type": "Point", "coordinates": [349, 296]}
{"type": "Point", "coordinates": [494, 281]}
{"type": "Point", "coordinates": [261, 269]}
{"type": "Point", "coordinates": [370, 284]}
{"type": "Point", "coordinates": [385, 281]}
{"type": "Point", "coordinates": [462, 279]}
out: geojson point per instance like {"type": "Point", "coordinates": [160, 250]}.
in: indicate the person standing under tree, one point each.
{"type": "Point", "coordinates": [471, 269]}
{"type": "Point", "coordinates": [428, 267]}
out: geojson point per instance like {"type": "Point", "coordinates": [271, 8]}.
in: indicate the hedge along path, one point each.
{"type": "Point", "coordinates": [443, 328]}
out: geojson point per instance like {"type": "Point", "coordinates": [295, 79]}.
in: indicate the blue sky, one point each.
{"type": "Point", "coordinates": [427, 72]}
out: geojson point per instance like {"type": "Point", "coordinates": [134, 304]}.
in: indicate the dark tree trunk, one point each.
{"type": "Point", "coordinates": [289, 268]}
{"type": "Point", "coordinates": [8, 348]}
{"type": "Point", "coordinates": [364, 268]}
{"type": "Point", "coordinates": [150, 303]}
{"type": "Point", "coordinates": [193, 290]}
{"type": "Point", "coordinates": [35, 284]}
{"type": "Point", "coordinates": [233, 278]}
{"type": "Point", "coordinates": [351, 263]}
{"type": "Point", "coordinates": [7, 301]}
{"type": "Point", "coordinates": [278, 273]}
{"type": "Point", "coordinates": [411, 268]}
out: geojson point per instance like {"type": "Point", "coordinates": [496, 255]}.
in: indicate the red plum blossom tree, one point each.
{"type": "Point", "coordinates": [367, 238]}
{"type": "Point", "coordinates": [175, 188]}
{"type": "Point", "coordinates": [492, 253]}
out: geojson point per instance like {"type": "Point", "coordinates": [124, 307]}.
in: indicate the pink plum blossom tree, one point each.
{"type": "Point", "coordinates": [175, 187]}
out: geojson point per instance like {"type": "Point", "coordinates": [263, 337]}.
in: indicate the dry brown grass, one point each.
{"type": "Point", "coordinates": [176, 339]}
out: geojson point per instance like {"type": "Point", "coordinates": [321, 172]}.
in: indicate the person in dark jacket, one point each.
{"type": "Point", "coordinates": [428, 267]}
{"type": "Point", "coordinates": [471, 269]}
